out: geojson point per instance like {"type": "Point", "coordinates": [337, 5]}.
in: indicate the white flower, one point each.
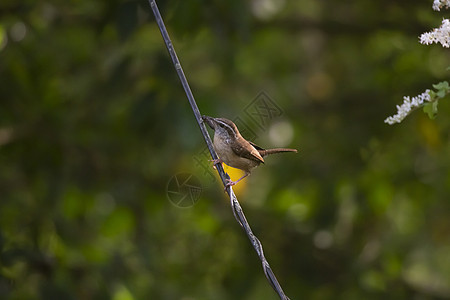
{"type": "Point", "coordinates": [438, 35]}
{"type": "Point", "coordinates": [407, 106]}
{"type": "Point", "coordinates": [438, 4]}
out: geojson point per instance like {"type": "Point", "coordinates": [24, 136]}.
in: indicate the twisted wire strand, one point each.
{"type": "Point", "coordinates": [236, 207]}
{"type": "Point", "coordinates": [242, 220]}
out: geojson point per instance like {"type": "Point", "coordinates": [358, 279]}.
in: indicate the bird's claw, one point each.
{"type": "Point", "coordinates": [216, 161]}
{"type": "Point", "coordinates": [228, 183]}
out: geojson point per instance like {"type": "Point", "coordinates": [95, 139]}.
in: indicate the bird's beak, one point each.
{"type": "Point", "coordinates": [209, 121]}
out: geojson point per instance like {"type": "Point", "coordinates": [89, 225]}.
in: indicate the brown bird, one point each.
{"type": "Point", "coordinates": [236, 151]}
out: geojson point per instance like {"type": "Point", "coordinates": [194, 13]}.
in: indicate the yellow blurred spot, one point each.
{"type": "Point", "coordinates": [430, 132]}
{"type": "Point", "coordinates": [3, 37]}
{"type": "Point", "coordinates": [235, 174]}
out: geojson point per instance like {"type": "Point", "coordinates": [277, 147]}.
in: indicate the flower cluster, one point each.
{"type": "Point", "coordinates": [438, 35]}
{"type": "Point", "coordinates": [438, 4]}
{"type": "Point", "coordinates": [407, 106]}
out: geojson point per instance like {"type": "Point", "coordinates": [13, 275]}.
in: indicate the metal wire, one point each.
{"type": "Point", "coordinates": [236, 207]}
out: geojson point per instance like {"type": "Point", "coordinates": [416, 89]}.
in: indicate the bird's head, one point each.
{"type": "Point", "coordinates": [222, 126]}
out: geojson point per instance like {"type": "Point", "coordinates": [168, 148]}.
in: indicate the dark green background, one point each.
{"type": "Point", "coordinates": [94, 123]}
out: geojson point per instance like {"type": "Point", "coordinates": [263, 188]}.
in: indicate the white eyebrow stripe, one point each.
{"type": "Point", "coordinates": [225, 124]}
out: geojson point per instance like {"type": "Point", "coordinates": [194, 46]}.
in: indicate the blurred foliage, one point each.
{"type": "Point", "coordinates": [94, 123]}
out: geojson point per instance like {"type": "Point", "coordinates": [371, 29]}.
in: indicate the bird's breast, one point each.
{"type": "Point", "coordinates": [227, 155]}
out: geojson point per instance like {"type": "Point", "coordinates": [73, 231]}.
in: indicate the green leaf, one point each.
{"type": "Point", "coordinates": [441, 94]}
{"type": "Point", "coordinates": [432, 94]}
{"type": "Point", "coordinates": [431, 109]}
{"type": "Point", "coordinates": [442, 86]}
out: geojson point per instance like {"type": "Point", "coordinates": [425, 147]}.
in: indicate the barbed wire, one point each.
{"type": "Point", "coordinates": [236, 207]}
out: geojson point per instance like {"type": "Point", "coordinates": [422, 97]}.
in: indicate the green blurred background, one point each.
{"type": "Point", "coordinates": [94, 124]}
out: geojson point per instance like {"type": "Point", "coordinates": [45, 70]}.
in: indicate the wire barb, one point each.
{"type": "Point", "coordinates": [236, 207]}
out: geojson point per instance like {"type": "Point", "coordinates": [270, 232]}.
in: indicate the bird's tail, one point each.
{"type": "Point", "coordinates": [276, 150]}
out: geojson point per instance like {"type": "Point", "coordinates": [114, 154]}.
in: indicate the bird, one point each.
{"type": "Point", "coordinates": [234, 150]}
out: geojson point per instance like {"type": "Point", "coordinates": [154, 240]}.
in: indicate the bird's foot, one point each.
{"type": "Point", "coordinates": [216, 161]}
{"type": "Point", "coordinates": [228, 183]}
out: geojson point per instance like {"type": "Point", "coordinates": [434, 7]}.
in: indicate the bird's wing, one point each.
{"type": "Point", "coordinates": [256, 146]}
{"type": "Point", "coordinates": [247, 150]}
